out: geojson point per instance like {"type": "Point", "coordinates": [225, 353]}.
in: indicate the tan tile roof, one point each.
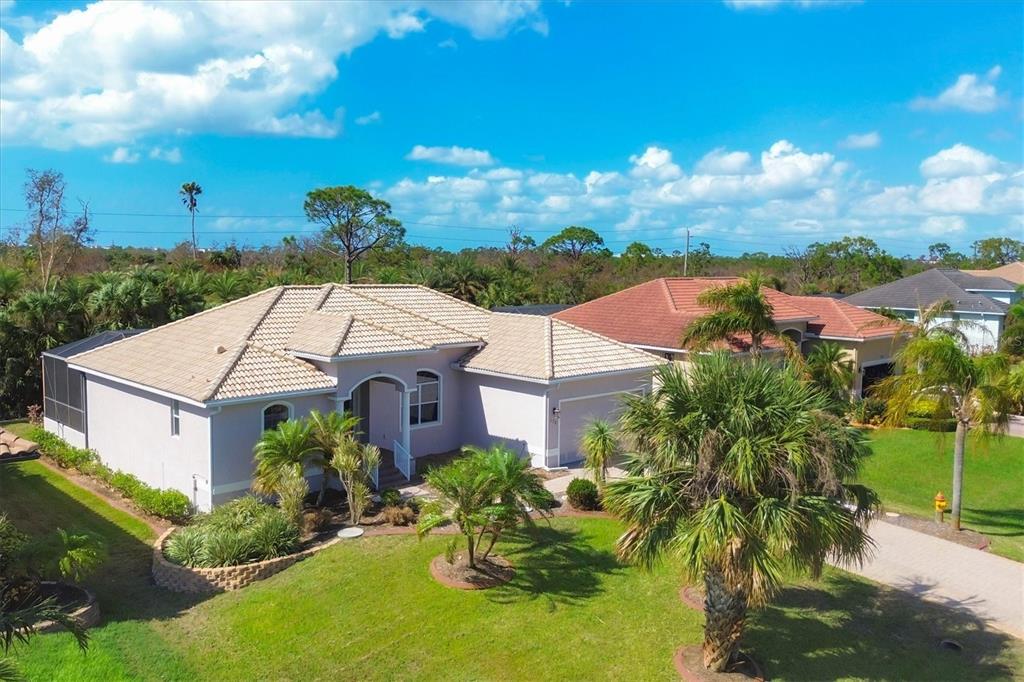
{"type": "Point", "coordinates": [564, 351]}
{"type": "Point", "coordinates": [248, 347]}
{"type": "Point", "coordinates": [1011, 272]}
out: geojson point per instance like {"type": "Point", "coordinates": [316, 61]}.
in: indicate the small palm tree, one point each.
{"type": "Point", "coordinates": [740, 308]}
{"type": "Point", "coordinates": [328, 431]}
{"type": "Point", "coordinates": [932, 320]}
{"type": "Point", "coordinates": [189, 193]}
{"type": "Point", "coordinates": [831, 370]}
{"type": "Point", "coordinates": [288, 448]}
{"type": "Point", "coordinates": [739, 470]}
{"type": "Point", "coordinates": [354, 462]}
{"type": "Point", "coordinates": [974, 389]}
{"type": "Point", "coordinates": [600, 445]}
{"type": "Point", "coordinates": [485, 493]}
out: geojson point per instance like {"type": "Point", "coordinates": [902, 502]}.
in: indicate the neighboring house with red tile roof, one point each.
{"type": "Point", "coordinates": [654, 315]}
{"type": "Point", "coordinates": [182, 405]}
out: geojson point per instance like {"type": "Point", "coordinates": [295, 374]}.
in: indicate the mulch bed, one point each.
{"type": "Point", "coordinates": [491, 572]}
{"type": "Point", "coordinates": [692, 596]}
{"type": "Point", "coordinates": [689, 662]}
{"type": "Point", "coordinates": [965, 537]}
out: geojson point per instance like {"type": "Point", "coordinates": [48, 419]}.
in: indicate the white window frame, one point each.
{"type": "Point", "coordinates": [175, 418]}
{"type": "Point", "coordinates": [414, 403]}
{"type": "Point", "coordinates": [263, 412]}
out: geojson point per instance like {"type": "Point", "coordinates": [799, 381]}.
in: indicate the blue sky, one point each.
{"type": "Point", "coordinates": [758, 126]}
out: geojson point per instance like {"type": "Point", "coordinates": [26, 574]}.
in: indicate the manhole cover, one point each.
{"type": "Point", "coordinates": [352, 532]}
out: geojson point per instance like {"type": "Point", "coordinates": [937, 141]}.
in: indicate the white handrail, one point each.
{"type": "Point", "coordinates": [403, 460]}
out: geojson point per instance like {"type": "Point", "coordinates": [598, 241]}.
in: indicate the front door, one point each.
{"type": "Point", "coordinates": [359, 406]}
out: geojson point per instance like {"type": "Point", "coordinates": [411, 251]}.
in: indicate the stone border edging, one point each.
{"type": "Point", "coordinates": [178, 578]}
{"type": "Point", "coordinates": [88, 615]}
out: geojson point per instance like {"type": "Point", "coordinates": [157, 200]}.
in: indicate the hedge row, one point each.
{"type": "Point", "coordinates": [172, 505]}
{"type": "Point", "coordinates": [930, 424]}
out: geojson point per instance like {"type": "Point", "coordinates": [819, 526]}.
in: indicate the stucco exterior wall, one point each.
{"type": "Point", "coordinates": [495, 409]}
{"type": "Point", "coordinates": [130, 429]}
{"type": "Point", "coordinates": [76, 438]}
{"type": "Point", "coordinates": [234, 431]}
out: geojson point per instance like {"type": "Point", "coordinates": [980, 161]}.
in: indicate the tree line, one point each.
{"type": "Point", "coordinates": [58, 285]}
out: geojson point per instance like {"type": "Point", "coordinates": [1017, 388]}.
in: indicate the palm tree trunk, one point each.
{"type": "Point", "coordinates": [958, 471]}
{"type": "Point", "coordinates": [195, 254]}
{"type": "Point", "coordinates": [725, 612]}
{"type": "Point", "coordinates": [472, 549]}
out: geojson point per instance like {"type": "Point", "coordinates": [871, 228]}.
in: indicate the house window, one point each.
{"type": "Point", "coordinates": [273, 415]}
{"type": "Point", "coordinates": [175, 418]}
{"type": "Point", "coordinates": [425, 401]}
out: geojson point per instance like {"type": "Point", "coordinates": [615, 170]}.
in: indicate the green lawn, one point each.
{"type": "Point", "coordinates": [909, 467]}
{"type": "Point", "coordinates": [369, 610]}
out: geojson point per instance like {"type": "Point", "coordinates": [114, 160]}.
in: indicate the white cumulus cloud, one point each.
{"type": "Point", "coordinates": [959, 159]}
{"type": "Point", "coordinates": [169, 154]}
{"type": "Point", "coordinates": [122, 155]}
{"type": "Point", "coordinates": [971, 92]}
{"type": "Point", "coordinates": [655, 163]}
{"type": "Point", "coordinates": [720, 161]}
{"type": "Point", "coordinates": [937, 225]}
{"type": "Point", "coordinates": [111, 73]}
{"type": "Point", "coordinates": [454, 155]}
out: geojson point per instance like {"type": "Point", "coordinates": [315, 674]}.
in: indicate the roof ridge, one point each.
{"type": "Point", "coordinates": [395, 306]}
{"type": "Point", "coordinates": [278, 353]}
{"type": "Point", "coordinates": [668, 293]}
{"type": "Point", "coordinates": [183, 319]}
{"type": "Point", "coordinates": [325, 292]}
{"type": "Point", "coordinates": [344, 333]}
{"type": "Point", "coordinates": [242, 345]}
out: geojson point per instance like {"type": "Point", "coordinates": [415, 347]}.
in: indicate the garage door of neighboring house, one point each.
{"type": "Point", "coordinates": [573, 416]}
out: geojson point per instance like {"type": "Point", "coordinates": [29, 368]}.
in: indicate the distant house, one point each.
{"type": "Point", "coordinates": [1011, 272]}
{"type": "Point", "coordinates": [181, 406]}
{"type": "Point", "coordinates": [982, 300]}
{"type": "Point", "coordinates": [653, 316]}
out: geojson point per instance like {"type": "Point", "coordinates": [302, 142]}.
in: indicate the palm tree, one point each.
{"type": "Point", "coordinates": [971, 388]}
{"type": "Point", "coordinates": [486, 492]}
{"type": "Point", "coordinates": [936, 319]}
{"type": "Point", "coordinates": [188, 192]}
{"type": "Point", "coordinates": [831, 370]}
{"type": "Point", "coordinates": [740, 308]}
{"type": "Point", "coordinates": [739, 470]}
{"type": "Point", "coordinates": [288, 447]}
{"type": "Point", "coordinates": [600, 445]}
{"type": "Point", "coordinates": [328, 432]}
{"type": "Point", "coordinates": [10, 284]}
{"type": "Point", "coordinates": [354, 462]}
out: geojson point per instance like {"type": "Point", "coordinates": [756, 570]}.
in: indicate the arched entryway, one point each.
{"type": "Point", "coordinates": [381, 402]}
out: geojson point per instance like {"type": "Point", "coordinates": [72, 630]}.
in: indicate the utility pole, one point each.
{"type": "Point", "coordinates": [686, 254]}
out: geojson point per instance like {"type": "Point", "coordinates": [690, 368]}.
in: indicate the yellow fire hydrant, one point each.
{"type": "Point", "coordinates": [940, 506]}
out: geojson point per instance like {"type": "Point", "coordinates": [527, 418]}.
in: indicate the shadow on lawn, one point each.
{"type": "Point", "coordinates": [862, 630]}
{"type": "Point", "coordinates": [1007, 522]}
{"type": "Point", "coordinates": [556, 564]}
{"type": "Point", "coordinates": [123, 585]}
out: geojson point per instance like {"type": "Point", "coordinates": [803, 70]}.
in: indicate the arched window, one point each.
{"type": "Point", "coordinates": [274, 414]}
{"type": "Point", "coordinates": [795, 335]}
{"type": "Point", "coordinates": [425, 401]}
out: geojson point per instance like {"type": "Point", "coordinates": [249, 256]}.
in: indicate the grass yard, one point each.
{"type": "Point", "coordinates": [909, 467]}
{"type": "Point", "coordinates": [369, 610]}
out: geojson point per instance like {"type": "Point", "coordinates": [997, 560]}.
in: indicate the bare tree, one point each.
{"type": "Point", "coordinates": [54, 238]}
{"type": "Point", "coordinates": [518, 242]}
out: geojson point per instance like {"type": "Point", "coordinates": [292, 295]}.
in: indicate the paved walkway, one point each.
{"type": "Point", "coordinates": [989, 586]}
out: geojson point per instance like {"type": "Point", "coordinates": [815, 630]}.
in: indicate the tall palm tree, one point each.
{"type": "Point", "coordinates": [740, 308]}
{"type": "Point", "coordinates": [600, 445]}
{"type": "Point", "coordinates": [189, 192]}
{"type": "Point", "coordinates": [831, 370]}
{"type": "Point", "coordinates": [973, 388]}
{"type": "Point", "coordinates": [289, 447]}
{"type": "Point", "coordinates": [328, 432]}
{"type": "Point", "coordinates": [739, 470]}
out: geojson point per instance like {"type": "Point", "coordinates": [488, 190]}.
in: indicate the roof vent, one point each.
{"type": "Point", "coordinates": [218, 349]}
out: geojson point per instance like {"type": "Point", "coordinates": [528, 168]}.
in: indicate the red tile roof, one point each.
{"type": "Point", "coordinates": [655, 313]}
{"type": "Point", "coordinates": [837, 319]}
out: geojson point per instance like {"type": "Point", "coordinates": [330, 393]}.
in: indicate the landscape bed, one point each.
{"type": "Point", "coordinates": [388, 619]}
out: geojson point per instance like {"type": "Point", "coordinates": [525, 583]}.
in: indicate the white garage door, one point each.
{"type": "Point", "coordinates": [573, 417]}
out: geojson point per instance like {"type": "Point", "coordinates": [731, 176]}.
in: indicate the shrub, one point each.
{"type": "Point", "coordinates": [172, 505]}
{"type": "Point", "coordinates": [398, 516]}
{"type": "Point", "coordinates": [236, 533]}
{"type": "Point", "coordinates": [126, 484]}
{"type": "Point", "coordinates": [64, 454]}
{"type": "Point", "coordinates": [944, 425]}
{"type": "Point", "coordinates": [450, 549]}
{"type": "Point", "coordinates": [582, 494]}
{"type": "Point", "coordinates": [291, 495]}
{"type": "Point", "coordinates": [868, 411]}
{"type": "Point", "coordinates": [315, 520]}
{"type": "Point", "coordinates": [390, 497]}
{"type": "Point", "coordinates": [35, 415]}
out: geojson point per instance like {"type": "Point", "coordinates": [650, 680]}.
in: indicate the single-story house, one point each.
{"type": "Point", "coordinates": [182, 405]}
{"type": "Point", "coordinates": [982, 300]}
{"type": "Point", "coordinates": [1011, 272]}
{"type": "Point", "coordinates": [654, 315]}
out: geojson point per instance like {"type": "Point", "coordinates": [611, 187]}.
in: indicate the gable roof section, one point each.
{"type": "Point", "coordinates": [931, 286]}
{"type": "Point", "coordinates": [840, 320]}
{"type": "Point", "coordinates": [564, 351]}
{"type": "Point", "coordinates": [656, 313]}
{"type": "Point", "coordinates": [1011, 272]}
